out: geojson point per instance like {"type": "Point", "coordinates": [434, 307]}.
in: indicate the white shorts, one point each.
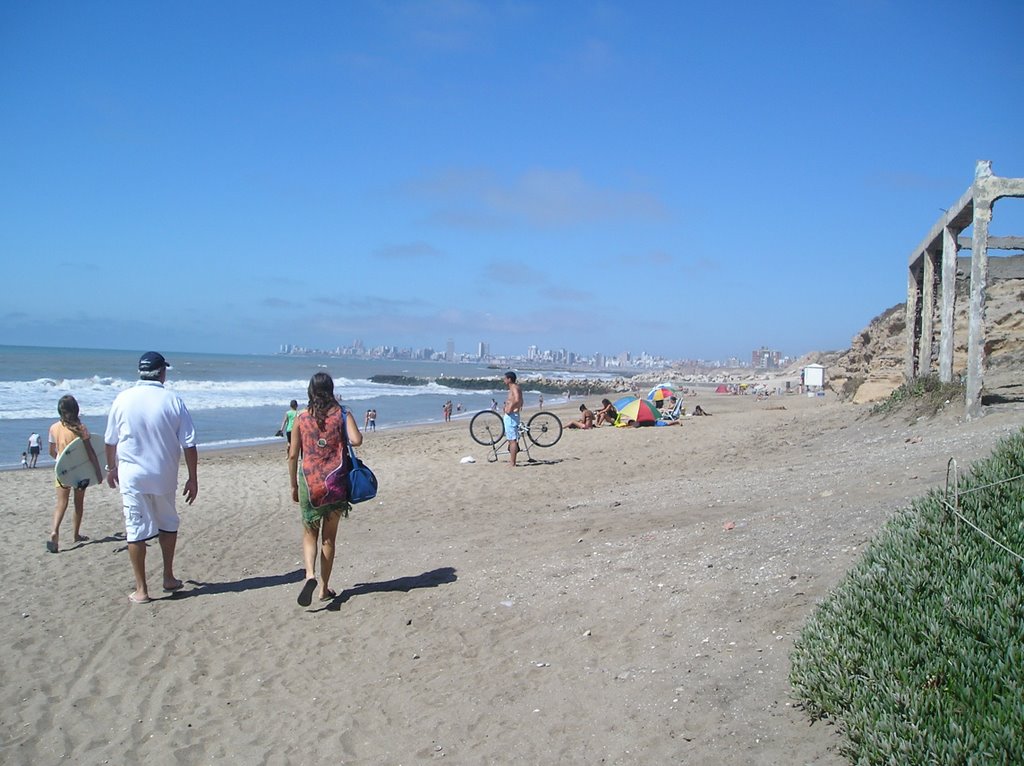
{"type": "Point", "coordinates": [146, 516]}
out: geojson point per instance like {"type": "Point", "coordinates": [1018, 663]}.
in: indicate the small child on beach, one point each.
{"type": "Point", "coordinates": [24, 460]}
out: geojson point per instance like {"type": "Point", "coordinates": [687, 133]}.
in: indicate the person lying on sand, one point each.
{"type": "Point", "coordinates": [646, 423]}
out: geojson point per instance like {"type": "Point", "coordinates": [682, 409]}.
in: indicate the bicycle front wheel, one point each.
{"type": "Point", "coordinates": [544, 429]}
{"type": "Point", "coordinates": [487, 428]}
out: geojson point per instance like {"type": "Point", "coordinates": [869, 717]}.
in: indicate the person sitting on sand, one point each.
{"type": "Point", "coordinates": [586, 419]}
{"type": "Point", "coordinates": [698, 410]}
{"type": "Point", "coordinates": [607, 414]}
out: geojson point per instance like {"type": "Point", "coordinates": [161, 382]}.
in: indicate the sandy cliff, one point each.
{"type": "Point", "coordinates": [875, 358]}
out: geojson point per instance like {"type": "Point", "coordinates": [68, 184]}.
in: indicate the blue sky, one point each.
{"type": "Point", "coordinates": [692, 180]}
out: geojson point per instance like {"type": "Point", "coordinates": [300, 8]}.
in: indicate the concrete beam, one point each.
{"type": "Point", "coordinates": [994, 243]}
{"type": "Point", "coordinates": [958, 217]}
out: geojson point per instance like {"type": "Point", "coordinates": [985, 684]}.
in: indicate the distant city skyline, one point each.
{"type": "Point", "coordinates": [762, 357]}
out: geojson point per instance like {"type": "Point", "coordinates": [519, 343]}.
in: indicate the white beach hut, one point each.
{"type": "Point", "coordinates": [814, 377]}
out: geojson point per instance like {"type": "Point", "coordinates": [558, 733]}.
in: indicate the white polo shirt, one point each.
{"type": "Point", "coordinates": [150, 426]}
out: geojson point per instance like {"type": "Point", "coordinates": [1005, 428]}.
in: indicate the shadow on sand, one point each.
{"type": "Point", "coordinates": [535, 462]}
{"type": "Point", "coordinates": [431, 579]}
{"type": "Point", "coordinates": [114, 538]}
{"type": "Point", "coordinates": [989, 400]}
{"type": "Point", "coordinates": [238, 586]}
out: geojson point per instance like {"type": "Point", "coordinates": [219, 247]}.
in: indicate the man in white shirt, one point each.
{"type": "Point", "coordinates": [147, 430]}
{"type": "Point", "coordinates": [34, 444]}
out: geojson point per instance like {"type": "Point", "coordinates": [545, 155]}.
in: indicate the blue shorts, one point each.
{"type": "Point", "coordinates": [511, 420]}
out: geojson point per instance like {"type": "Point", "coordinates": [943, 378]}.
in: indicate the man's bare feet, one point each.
{"type": "Point", "coordinates": [81, 538]}
{"type": "Point", "coordinates": [172, 585]}
{"type": "Point", "coordinates": [327, 595]}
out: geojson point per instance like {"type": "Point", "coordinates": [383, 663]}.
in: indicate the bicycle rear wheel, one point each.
{"type": "Point", "coordinates": [487, 428]}
{"type": "Point", "coordinates": [544, 429]}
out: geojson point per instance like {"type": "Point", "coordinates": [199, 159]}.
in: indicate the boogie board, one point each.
{"type": "Point", "coordinates": [74, 468]}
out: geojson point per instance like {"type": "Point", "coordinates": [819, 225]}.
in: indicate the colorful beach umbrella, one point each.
{"type": "Point", "coordinates": [660, 393]}
{"type": "Point", "coordinates": [640, 410]}
{"type": "Point", "coordinates": [618, 404]}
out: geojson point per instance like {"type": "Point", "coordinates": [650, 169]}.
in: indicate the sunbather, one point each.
{"type": "Point", "coordinates": [586, 419]}
{"type": "Point", "coordinates": [607, 414]}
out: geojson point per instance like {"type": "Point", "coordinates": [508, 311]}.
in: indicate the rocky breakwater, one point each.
{"type": "Point", "coordinates": [574, 387]}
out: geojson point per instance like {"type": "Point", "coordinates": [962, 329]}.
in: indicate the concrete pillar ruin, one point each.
{"type": "Point", "coordinates": [973, 209]}
{"type": "Point", "coordinates": [949, 254]}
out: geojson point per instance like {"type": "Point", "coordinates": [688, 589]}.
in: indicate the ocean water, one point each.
{"type": "Point", "coordinates": [235, 400]}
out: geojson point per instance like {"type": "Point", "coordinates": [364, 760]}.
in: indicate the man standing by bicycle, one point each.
{"type": "Point", "coordinates": [513, 406]}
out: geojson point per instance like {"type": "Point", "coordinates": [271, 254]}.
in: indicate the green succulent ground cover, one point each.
{"type": "Point", "coordinates": [918, 654]}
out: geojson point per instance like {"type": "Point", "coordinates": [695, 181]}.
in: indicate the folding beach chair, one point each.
{"type": "Point", "coordinates": [675, 413]}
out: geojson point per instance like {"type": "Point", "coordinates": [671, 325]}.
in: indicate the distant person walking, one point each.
{"type": "Point", "coordinates": [513, 408]}
{"type": "Point", "coordinates": [62, 433]}
{"type": "Point", "coordinates": [289, 422]}
{"type": "Point", "coordinates": [319, 448]}
{"type": "Point", "coordinates": [447, 410]}
{"type": "Point", "coordinates": [371, 420]}
{"type": "Point", "coordinates": [33, 449]}
{"type": "Point", "coordinates": [148, 428]}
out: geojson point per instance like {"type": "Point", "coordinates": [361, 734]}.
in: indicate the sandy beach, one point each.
{"type": "Point", "coordinates": [630, 598]}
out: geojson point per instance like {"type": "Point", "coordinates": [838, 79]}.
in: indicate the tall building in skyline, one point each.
{"type": "Point", "coordinates": [765, 358]}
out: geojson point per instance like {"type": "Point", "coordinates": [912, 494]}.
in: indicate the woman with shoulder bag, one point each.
{"type": "Point", "coordinates": [318, 447]}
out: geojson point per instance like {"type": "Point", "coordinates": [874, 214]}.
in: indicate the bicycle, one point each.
{"type": "Point", "coordinates": [487, 427]}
